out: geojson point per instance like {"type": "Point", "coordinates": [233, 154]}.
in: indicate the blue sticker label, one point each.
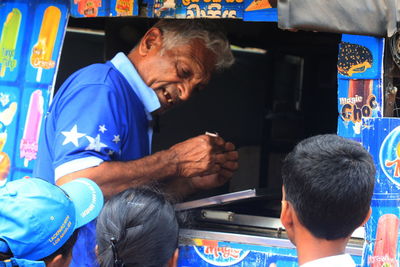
{"type": "Point", "coordinates": [389, 156]}
{"type": "Point", "coordinates": [260, 10]}
{"type": "Point", "coordinates": [239, 255]}
{"type": "Point", "coordinates": [103, 8]}
{"type": "Point", "coordinates": [196, 9]}
{"type": "Point", "coordinates": [221, 256]}
{"type": "Point", "coordinates": [381, 137]}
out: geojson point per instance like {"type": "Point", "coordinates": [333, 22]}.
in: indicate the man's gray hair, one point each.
{"type": "Point", "coordinates": [180, 32]}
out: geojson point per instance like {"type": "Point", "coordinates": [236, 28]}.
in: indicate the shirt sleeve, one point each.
{"type": "Point", "coordinates": [90, 128]}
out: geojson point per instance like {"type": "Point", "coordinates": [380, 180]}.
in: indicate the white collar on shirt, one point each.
{"type": "Point", "coordinates": [146, 95]}
{"type": "Point", "coordinates": [343, 260]}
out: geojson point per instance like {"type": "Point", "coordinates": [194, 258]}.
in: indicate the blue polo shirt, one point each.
{"type": "Point", "coordinates": [101, 113]}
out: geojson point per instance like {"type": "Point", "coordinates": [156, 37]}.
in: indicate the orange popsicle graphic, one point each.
{"type": "Point", "coordinates": [42, 51]}
{"type": "Point", "coordinates": [386, 241]}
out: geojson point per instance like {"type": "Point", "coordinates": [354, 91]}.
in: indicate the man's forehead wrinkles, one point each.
{"type": "Point", "coordinates": [195, 57]}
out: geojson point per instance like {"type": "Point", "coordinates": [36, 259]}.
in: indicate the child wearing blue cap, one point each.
{"type": "Point", "coordinates": [38, 220]}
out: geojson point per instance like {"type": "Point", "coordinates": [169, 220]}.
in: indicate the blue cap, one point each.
{"type": "Point", "coordinates": [21, 263]}
{"type": "Point", "coordinates": [37, 218]}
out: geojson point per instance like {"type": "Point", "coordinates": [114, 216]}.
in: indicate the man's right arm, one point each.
{"type": "Point", "coordinates": [198, 156]}
{"type": "Point", "coordinates": [116, 176]}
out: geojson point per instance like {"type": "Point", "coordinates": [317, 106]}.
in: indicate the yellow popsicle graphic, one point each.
{"type": "Point", "coordinates": [42, 51]}
{"type": "Point", "coordinates": [8, 41]}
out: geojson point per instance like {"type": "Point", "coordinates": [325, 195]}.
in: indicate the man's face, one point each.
{"type": "Point", "coordinates": [176, 73]}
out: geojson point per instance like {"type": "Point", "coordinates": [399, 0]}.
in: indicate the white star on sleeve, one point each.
{"type": "Point", "coordinates": [72, 136]}
{"type": "Point", "coordinates": [102, 128]}
{"type": "Point", "coordinates": [95, 143]}
{"type": "Point", "coordinates": [116, 139]}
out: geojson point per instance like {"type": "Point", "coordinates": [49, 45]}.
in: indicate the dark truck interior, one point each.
{"type": "Point", "coordinates": [282, 89]}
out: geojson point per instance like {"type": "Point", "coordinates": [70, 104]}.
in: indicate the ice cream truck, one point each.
{"type": "Point", "coordinates": [302, 68]}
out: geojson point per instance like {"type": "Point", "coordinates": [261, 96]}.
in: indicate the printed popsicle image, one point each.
{"type": "Point", "coordinates": [88, 8]}
{"type": "Point", "coordinates": [8, 41]}
{"type": "Point", "coordinates": [162, 6]}
{"type": "Point", "coordinates": [3, 135]}
{"type": "Point", "coordinates": [4, 158]}
{"type": "Point", "coordinates": [124, 7]}
{"type": "Point", "coordinates": [6, 117]}
{"type": "Point", "coordinates": [42, 51]}
{"type": "Point", "coordinates": [4, 167]}
{"type": "Point", "coordinates": [360, 90]}
{"type": "Point", "coordinates": [386, 241]}
{"type": "Point", "coordinates": [29, 141]}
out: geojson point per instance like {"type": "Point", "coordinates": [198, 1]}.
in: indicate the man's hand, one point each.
{"type": "Point", "coordinates": [217, 162]}
{"type": "Point", "coordinates": [180, 187]}
{"type": "Point", "coordinates": [203, 155]}
{"type": "Point", "coordinates": [225, 173]}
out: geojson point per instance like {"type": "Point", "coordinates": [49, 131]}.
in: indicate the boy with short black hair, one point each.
{"type": "Point", "coordinates": [328, 183]}
{"type": "Point", "coordinates": [39, 221]}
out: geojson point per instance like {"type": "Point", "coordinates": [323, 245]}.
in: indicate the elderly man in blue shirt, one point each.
{"type": "Point", "coordinates": [98, 125]}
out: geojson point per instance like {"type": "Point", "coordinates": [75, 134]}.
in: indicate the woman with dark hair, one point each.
{"type": "Point", "coordinates": [137, 227]}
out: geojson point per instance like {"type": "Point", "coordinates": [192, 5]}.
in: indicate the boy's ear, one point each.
{"type": "Point", "coordinates": [289, 219]}
{"type": "Point", "coordinates": [367, 217]}
{"type": "Point", "coordinates": [287, 215]}
{"type": "Point", "coordinates": [152, 39]}
{"type": "Point", "coordinates": [59, 261]}
{"type": "Point", "coordinates": [173, 262]}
